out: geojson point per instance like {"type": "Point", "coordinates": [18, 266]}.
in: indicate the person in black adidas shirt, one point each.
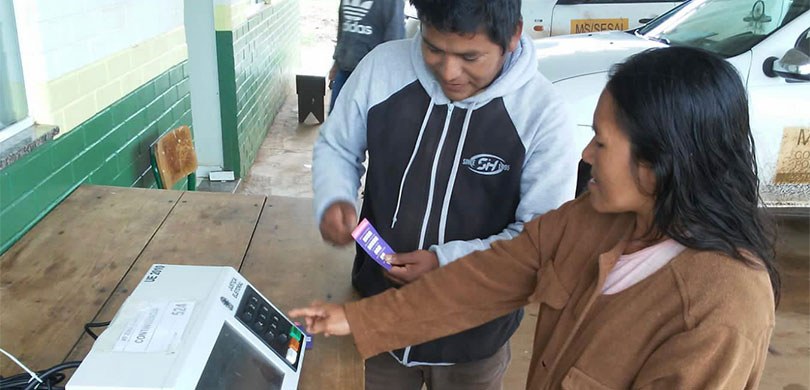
{"type": "Point", "coordinates": [362, 25]}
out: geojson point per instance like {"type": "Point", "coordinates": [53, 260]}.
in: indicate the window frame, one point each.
{"type": "Point", "coordinates": [10, 130]}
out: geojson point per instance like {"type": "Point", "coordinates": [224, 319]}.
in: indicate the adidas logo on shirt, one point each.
{"type": "Point", "coordinates": [353, 12]}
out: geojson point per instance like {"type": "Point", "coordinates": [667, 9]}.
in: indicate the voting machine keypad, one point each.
{"type": "Point", "coordinates": [270, 326]}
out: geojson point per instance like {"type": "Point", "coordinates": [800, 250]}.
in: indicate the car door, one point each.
{"type": "Point", "coordinates": [537, 17]}
{"type": "Point", "coordinates": [585, 16]}
{"type": "Point", "coordinates": [780, 119]}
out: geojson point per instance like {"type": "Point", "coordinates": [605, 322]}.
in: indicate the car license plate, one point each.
{"type": "Point", "coordinates": [793, 165]}
{"type": "Point", "coordinates": [579, 26]}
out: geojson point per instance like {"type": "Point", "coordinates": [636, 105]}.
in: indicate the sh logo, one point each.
{"type": "Point", "coordinates": [486, 164]}
{"type": "Point", "coordinates": [353, 12]}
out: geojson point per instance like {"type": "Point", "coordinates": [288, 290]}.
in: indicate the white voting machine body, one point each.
{"type": "Point", "coordinates": [194, 327]}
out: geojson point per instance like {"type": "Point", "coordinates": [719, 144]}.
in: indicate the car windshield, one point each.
{"type": "Point", "coordinates": [725, 27]}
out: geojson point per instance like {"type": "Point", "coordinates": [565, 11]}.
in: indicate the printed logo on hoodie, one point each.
{"type": "Point", "coordinates": [486, 164]}
{"type": "Point", "coordinates": [353, 12]}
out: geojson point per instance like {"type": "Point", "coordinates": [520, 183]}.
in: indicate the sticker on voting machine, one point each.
{"type": "Point", "coordinates": [368, 238]}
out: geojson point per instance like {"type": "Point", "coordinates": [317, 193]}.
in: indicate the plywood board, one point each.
{"type": "Point", "coordinates": [175, 156]}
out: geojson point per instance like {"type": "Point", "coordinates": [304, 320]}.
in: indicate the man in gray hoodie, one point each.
{"type": "Point", "coordinates": [466, 141]}
{"type": "Point", "coordinates": [362, 25]}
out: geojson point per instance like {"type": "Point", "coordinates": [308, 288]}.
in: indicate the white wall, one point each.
{"type": "Point", "coordinates": [80, 56]}
{"type": "Point", "coordinates": [60, 36]}
{"type": "Point", "coordinates": [233, 2]}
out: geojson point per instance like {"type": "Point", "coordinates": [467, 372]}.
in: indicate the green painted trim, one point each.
{"type": "Point", "coordinates": [155, 171]}
{"type": "Point", "coordinates": [10, 242]}
{"type": "Point", "coordinates": [110, 148]}
{"type": "Point", "coordinates": [227, 101]}
{"type": "Point", "coordinates": [255, 63]}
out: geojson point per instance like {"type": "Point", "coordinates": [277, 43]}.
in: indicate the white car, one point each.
{"type": "Point", "coordinates": [768, 41]}
{"type": "Point", "coordinates": [543, 18]}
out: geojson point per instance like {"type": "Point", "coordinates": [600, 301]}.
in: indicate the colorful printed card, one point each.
{"type": "Point", "coordinates": [372, 243]}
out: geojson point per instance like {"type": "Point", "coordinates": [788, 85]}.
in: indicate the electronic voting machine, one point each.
{"type": "Point", "coordinates": [194, 327]}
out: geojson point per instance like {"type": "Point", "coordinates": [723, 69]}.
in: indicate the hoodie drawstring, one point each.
{"type": "Point", "coordinates": [433, 175]}
{"type": "Point", "coordinates": [413, 156]}
{"type": "Point", "coordinates": [453, 173]}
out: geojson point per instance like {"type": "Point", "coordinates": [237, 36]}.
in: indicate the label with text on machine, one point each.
{"type": "Point", "coordinates": [156, 327]}
{"type": "Point", "coordinates": [372, 243]}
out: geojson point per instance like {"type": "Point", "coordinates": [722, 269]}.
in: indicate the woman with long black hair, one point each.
{"type": "Point", "coordinates": [661, 276]}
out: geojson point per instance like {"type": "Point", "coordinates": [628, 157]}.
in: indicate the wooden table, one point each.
{"type": "Point", "coordinates": [81, 261]}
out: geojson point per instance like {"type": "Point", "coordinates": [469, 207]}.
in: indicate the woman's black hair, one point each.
{"type": "Point", "coordinates": [685, 112]}
{"type": "Point", "coordinates": [499, 18]}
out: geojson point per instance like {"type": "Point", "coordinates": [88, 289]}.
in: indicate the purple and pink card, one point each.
{"type": "Point", "coordinates": [368, 238]}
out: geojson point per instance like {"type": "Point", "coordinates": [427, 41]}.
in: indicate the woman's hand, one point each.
{"type": "Point", "coordinates": [326, 318]}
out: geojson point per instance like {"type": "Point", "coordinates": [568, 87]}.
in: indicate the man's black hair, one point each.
{"type": "Point", "coordinates": [498, 18]}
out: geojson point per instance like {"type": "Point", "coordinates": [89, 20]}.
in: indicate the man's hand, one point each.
{"type": "Point", "coordinates": [333, 71]}
{"type": "Point", "coordinates": [407, 267]}
{"type": "Point", "coordinates": [327, 318]}
{"type": "Point", "coordinates": [338, 222]}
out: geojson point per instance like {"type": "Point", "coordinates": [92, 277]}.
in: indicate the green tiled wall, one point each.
{"type": "Point", "coordinates": [255, 70]}
{"type": "Point", "coordinates": [111, 148]}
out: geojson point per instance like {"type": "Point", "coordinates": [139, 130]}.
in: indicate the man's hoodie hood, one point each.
{"type": "Point", "coordinates": [518, 69]}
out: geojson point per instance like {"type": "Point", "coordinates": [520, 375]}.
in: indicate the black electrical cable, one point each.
{"type": "Point", "coordinates": [90, 325]}
{"type": "Point", "coordinates": [53, 370]}
{"type": "Point", "coordinates": [50, 377]}
{"type": "Point", "coordinates": [20, 381]}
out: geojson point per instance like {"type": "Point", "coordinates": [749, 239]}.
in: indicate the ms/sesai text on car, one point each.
{"type": "Point", "coordinates": [543, 18]}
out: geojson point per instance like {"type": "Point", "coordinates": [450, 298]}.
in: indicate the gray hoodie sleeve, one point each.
{"type": "Point", "coordinates": [339, 152]}
{"type": "Point", "coordinates": [549, 171]}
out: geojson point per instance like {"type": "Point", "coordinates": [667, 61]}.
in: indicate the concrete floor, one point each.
{"type": "Point", "coordinates": [788, 364]}
{"type": "Point", "coordinates": [283, 167]}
